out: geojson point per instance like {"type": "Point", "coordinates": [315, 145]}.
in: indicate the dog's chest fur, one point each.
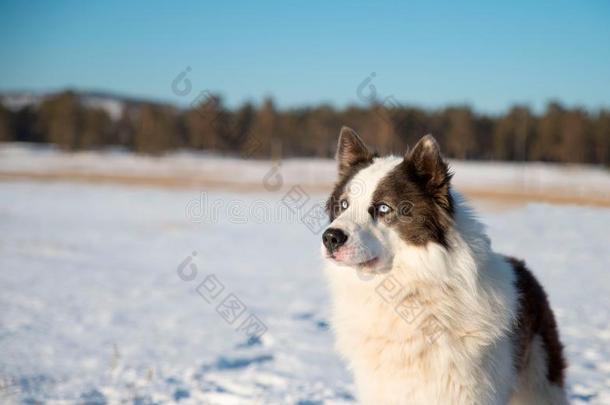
{"type": "Point", "coordinates": [428, 344]}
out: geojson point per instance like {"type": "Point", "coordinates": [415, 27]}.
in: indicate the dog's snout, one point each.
{"type": "Point", "coordinates": [333, 239]}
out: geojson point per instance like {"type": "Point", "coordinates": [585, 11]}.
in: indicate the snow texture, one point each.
{"type": "Point", "coordinates": [98, 306]}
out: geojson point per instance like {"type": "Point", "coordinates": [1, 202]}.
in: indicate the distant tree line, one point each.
{"type": "Point", "coordinates": [558, 134]}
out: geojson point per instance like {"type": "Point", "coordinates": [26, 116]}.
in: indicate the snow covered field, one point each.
{"type": "Point", "coordinates": [576, 183]}
{"type": "Point", "coordinates": [99, 301]}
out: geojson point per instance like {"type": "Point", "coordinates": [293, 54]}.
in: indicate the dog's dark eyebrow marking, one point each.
{"type": "Point", "coordinates": [425, 220]}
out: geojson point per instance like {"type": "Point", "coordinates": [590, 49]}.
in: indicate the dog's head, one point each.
{"type": "Point", "coordinates": [381, 205]}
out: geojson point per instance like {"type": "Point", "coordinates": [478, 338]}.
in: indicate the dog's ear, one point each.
{"type": "Point", "coordinates": [428, 168]}
{"type": "Point", "coordinates": [351, 151]}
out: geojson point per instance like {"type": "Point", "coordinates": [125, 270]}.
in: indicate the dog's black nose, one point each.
{"type": "Point", "coordinates": [333, 239]}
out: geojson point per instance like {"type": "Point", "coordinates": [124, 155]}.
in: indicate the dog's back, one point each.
{"type": "Point", "coordinates": [539, 354]}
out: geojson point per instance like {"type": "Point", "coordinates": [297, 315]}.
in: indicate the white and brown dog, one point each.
{"type": "Point", "coordinates": [424, 311]}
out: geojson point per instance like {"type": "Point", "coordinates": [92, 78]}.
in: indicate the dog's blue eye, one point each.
{"type": "Point", "coordinates": [383, 208]}
{"type": "Point", "coordinates": [344, 204]}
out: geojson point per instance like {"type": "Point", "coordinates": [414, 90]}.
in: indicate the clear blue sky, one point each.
{"type": "Point", "coordinates": [429, 53]}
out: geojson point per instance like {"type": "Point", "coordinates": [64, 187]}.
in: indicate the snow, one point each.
{"type": "Point", "coordinates": [18, 100]}
{"type": "Point", "coordinates": [92, 301]}
{"type": "Point", "coordinates": [113, 105]}
{"type": "Point", "coordinates": [320, 173]}
{"type": "Point", "coordinates": [94, 308]}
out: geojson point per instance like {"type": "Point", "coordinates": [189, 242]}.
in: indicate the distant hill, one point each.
{"type": "Point", "coordinates": [112, 103]}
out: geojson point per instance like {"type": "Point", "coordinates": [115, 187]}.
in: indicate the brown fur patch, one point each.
{"type": "Point", "coordinates": [417, 217]}
{"type": "Point", "coordinates": [536, 317]}
{"type": "Point", "coordinates": [418, 190]}
{"type": "Point", "coordinates": [426, 167]}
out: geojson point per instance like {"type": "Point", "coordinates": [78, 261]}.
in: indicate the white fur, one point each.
{"type": "Point", "coordinates": [456, 347]}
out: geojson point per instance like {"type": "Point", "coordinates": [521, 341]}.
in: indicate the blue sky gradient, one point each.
{"type": "Point", "coordinates": [486, 54]}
